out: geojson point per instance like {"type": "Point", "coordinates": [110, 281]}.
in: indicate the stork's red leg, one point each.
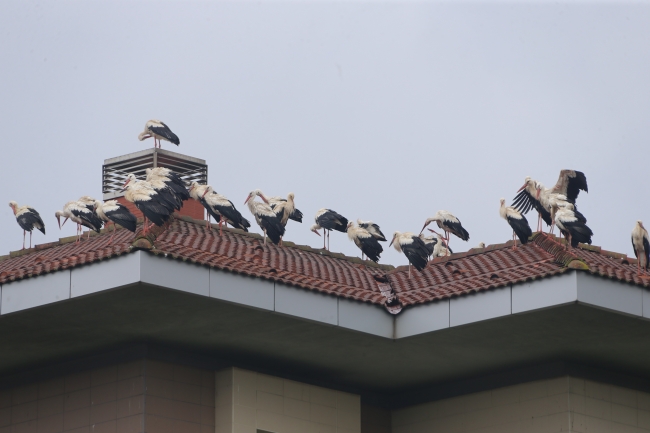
{"type": "Point", "coordinates": [409, 270]}
{"type": "Point", "coordinates": [30, 240]}
{"type": "Point", "coordinates": [23, 239]}
{"type": "Point", "coordinates": [220, 229]}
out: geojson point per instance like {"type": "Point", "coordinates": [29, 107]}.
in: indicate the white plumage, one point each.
{"type": "Point", "coordinates": [641, 245]}
{"type": "Point", "coordinates": [28, 219]}
{"type": "Point", "coordinates": [367, 243]}
{"type": "Point", "coordinates": [449, 223]}
{"type": "Point", "coordinates": [159, 131]}
{"type": "Point", "coordinates": [266, 218]}
{"type": "Point", "coordinates": [517, 222]}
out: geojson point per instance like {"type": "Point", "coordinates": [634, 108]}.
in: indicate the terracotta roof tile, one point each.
{"type": "Point", "coordinates": [235, 251]}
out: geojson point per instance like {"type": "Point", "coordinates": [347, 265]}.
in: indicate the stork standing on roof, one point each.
{"type": "Point", "coordinates": [573, 229]}
{"type": "Point", "coordinates": [285, 209]}
{"type": "Point", "coordinates": [449, 223]}
{"type": "Point", "coordinates": [27, 219]}
{"type": "Point", "coordinates": [266, 218]}
{"type": "Point", "coordinates": [528, 197]}
{"type": "Point", "coordinates": [218, 206]}
{"type": "Point", "coordinates": [79, 213]}
{"type": "Point", "coordinates": [435, 245]}
{"type": "Point", "coordinates": [329, 220]}
{"type": "Point", "coordinates": [116, 213]}
{"type": "Point", "coordinates": [367, 243]}
{"type": "Point", "coordinates": [413, 248]}
{"type": "Point", "coordinates": [287, 206]}
{"type": "Point", "coordinates": [373, 229]}
{"type": "Point", "coordinates": [148, 201]}
{"type": "Point", "coordinates": [517, 221]}
{"type": "Point", "coordinates": [641, 245]}
{"type": "Point", "coordinates": [159, 131]}
{"type": "Point", "coordinates": [534, 195]}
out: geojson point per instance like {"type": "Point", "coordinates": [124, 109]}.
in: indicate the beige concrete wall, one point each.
{"type": "Point", "coordinates": [247, 402]}
{"type": "Point", "coordinates": [564, 404]}
{"type": "Point", "coordinates": [142, 396]}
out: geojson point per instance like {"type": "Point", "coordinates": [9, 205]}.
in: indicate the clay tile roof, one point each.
{"type": "Point", "coordinates": [235, 251]}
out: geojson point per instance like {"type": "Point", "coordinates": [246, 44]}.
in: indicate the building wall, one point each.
{"type": "Point", "coordinates": [548, 406]}
{"type": "Point", "coordinates": [249, 402]}
{"type": "Point", "coordinates": [132, 397]}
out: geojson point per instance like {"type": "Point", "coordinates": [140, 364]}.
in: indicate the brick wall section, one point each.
{"type": "Point", "coordinates": [191, 208]}
{"type": "Point", "coordinates": [113, 400]}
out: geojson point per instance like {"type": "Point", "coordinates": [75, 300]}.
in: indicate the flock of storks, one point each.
{"type": "Point", "coordinates": [164, 192]}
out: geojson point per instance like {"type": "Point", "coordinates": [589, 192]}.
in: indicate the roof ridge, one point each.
{"type": "Point", "coordinates": [562, 255]}
{"type": "Point", "coordinates": [383, 266]}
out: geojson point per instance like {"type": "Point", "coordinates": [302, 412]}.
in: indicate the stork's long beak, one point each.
{"type": "Point", "coordinates": [247, 198]}
{"type": "Point", "coordinates": [205, 192]}
{"type": "Point", "coordinates": [539, 190]}
{"type": "Point", "coordinates": [316, 232]}
{"type": "Point", "coordinates": [521, 188]}
{"type": "Point", "coordinates": [63, 223]}
{"type": "Point", "coordinates": [58, 218]}
{"type": "Point", "coordinates": [393, 240]}
{"type": "Point", "coordinates": [264, 199]}
{"type": "Point", "coordinates": [424, 227]}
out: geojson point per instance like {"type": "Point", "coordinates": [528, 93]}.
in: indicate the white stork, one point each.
{"type": "Point", "coordinates": [528, 197]}
{"type": "Point", "coordinates": [373, 229]}
{"type": "Point", "coordinates": [574, 230]}
{"type": "Point", "coordinates": [534, 195]}
{"type": "Point", "coordinates": [413, 248]}
{"type": "Point", "coordinates": [449, 223]}
{"type": "Point", "coordinates": [148, 201]}
{"type": "Point", "coordinates": [329, 220]}
{"type": "Point", "coordinates": [641, 245]}
{"type": "Point", "coordinates": [480, 245]}
{"type": "Point", "coordinates": [287, 206]}
{"type": "Point", "coordinates": [517, 221]}
{"type": "Point", "coordinates": [27, 219]}
{"type": "Point", "coordinates": [266, 218]}
{"type": "Point", "coordinates": [116, 213]}
{"type": "Point", "coordinates": [79, 213]}
{"type": "Point", "coordinates": [219, 207]}
{"type": "Point", "coordinates": [159, 131]}
{"type": "Point", "coordinates": [171, 179]}
{"type": "Point", "coordinates": [367, 243]}
{"type": "Point", "coordinates": [435, 245]}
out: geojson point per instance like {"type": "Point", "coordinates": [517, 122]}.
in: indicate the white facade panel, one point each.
{"type": "Point", "coordinates": [105, 275]}
{"type": "Point", "coordinates": [480, 306]}
{"type": "Point", "coordinates": [364, 317]}
{"type": "Point", "coordinates": [35, 291]}
{"type": "Point", "coordinates": [547, 292]}
{"type": "Point", "coordinates": [610, 294]}
{"type": "Point", "coordinates": [174, 274]}
{"type": "Point", "coordinates": [241, 289]}
{"type": "Point", "coordinates": [422, 318]}
{"type": "Point", "coordinates": [306, 304]}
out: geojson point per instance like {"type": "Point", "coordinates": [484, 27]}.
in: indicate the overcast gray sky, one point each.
{"type": "Point", "coordinates": [387, 111]}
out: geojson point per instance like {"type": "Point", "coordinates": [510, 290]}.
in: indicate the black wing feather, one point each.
{"type": "Point", "coordinates": [521, 228]}
{"type": "Point", "coordinates": [29, 220]}
{"type": "Point", "coordinates": [123, 217]}
{"type": "Point", "coordinates": [165, 132]}
{"type": "Point", "coordinates": [417, 253]}
{"type": "Point", "coordinates": [370, 247]}
{"type": "Point", "coordinates": [331, 220]}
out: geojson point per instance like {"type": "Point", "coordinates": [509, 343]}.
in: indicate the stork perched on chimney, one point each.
{"type": "Point", "coordinates": [159, 131]}
{"type": "Point", "coordinates": [27, 219]}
